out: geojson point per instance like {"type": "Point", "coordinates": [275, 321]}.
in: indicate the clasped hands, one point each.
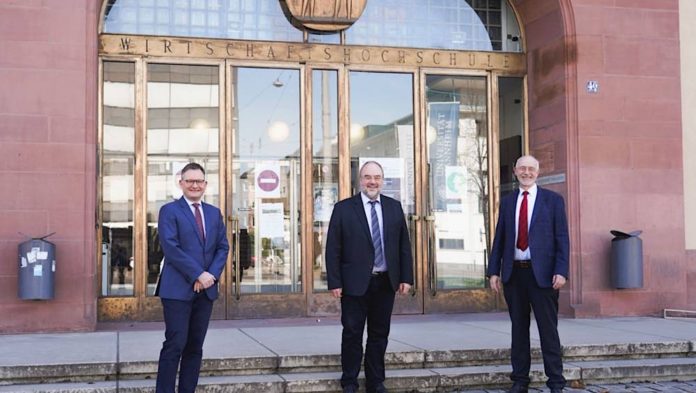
{"type": "Point", "coordinates": [204, 281]}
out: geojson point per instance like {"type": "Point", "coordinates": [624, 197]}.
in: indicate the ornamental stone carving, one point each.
{"type": "Point", "coordinates": [325, 15]}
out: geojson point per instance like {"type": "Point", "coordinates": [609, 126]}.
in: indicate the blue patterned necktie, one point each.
{"type": "Point", "coordinates": [380, 263]}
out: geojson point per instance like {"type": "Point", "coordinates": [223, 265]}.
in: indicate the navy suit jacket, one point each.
{"type": "Point", "coordinates": [185, 255]}
{"type": "Point", "coordinates": [549, 244]}
{"type": "Point", "coordinates": [350, 254]}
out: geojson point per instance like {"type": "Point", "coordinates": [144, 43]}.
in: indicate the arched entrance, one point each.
{"type": "Point", "coordinates": [549, 27]}
{"type": "Point", "coordinates": [283, 123]}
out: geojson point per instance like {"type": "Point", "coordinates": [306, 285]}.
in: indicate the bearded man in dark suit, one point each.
{"type": "Point", "coordinates": [368, 259]}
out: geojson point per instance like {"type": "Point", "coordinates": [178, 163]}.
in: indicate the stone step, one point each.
{"type": "Point", "coordinates": [444, 379]}
{"type": "Point", "coordinates": [287, 364]}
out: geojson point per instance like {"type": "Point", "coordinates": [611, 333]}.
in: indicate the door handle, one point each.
{"type": "Point", "coordinates": [412, 229]}
{"type": "Point", "coordinates": [237, 262]}
{"type": "Point", "coordinates": [432, 262]}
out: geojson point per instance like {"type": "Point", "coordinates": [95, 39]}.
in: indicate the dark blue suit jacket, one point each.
{"type": "Point", "coordinates": [185, 255]}
{"type": "Point", "coordinates": [350, 254]}
{"type": "Point", "coordinates": [548, 238]}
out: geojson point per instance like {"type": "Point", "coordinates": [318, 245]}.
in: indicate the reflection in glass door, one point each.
{"type": "Point", "coordinates": [182, 126]}
{"type": "Point", "coordinates": [457, 217]}
{"type": "Point", "coordinates": [118, 163]}
{"type": "Point", "coordinates": [265, 193]}
{"type": "Point", "coordinates": [382, 129]}
{"type": "Point", "coordinates": [324, 167]}
{"type": "Point", "coordinates": [511, 125]}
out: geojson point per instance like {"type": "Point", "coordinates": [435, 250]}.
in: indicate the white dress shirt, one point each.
{"type": "Point", "coordinates": [193, 210]}
{"type": "Point", "coordinates": [531, 199]}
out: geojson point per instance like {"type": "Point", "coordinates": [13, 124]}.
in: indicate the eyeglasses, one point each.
{"type": "Point", "coordinates": [190, 182]}
{"type": "Point", "coordinates": [526, 168]}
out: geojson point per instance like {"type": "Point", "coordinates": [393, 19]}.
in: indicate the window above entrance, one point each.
{"type": "Point", "coordinates": [481, 25]}
{"type": "Point", "coordinates": [234, 19]}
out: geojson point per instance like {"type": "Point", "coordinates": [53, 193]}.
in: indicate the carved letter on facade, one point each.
{"type": "Point", "coordinates": [402, 57]}
{"type": "Point", "coordinates": [111, 44]}
{"type": "Point", "coordinates": [384, 55]}
{"type": "Point", "coordinates": [125, 43]}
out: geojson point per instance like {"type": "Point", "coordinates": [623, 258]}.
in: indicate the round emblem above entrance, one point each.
{"type": "Point", "coordinates": [325, 15]}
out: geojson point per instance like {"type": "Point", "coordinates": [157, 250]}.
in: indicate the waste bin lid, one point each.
{"type": "Point", "coordinates": [624, 234]}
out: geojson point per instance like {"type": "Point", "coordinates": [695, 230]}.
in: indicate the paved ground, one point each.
{"type": "Point", "coordinates": [648, 387]}
{"type": "Point", "coordinates": [141, 342]}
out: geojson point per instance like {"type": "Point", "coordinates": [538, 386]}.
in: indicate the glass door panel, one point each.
{"type": "Point", "coordinates": [324, 165]}
{"type": "Point", "coordinates": [182, 127]}
{"type": "Point", "coordinates": [457, 219]}
{"type": "Point", "coordinates": [511, 135]}
{"type": "Point", "coordinates": [265, 194]}
{"type": "Point", "coordinates": [382, 130]}
{"type": "Point", "coordinates": [118, 162]}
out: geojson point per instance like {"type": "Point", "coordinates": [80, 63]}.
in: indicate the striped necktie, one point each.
{"type": "Point", "coordinates": [380, 263]}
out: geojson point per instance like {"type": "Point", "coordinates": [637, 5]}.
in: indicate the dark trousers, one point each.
{"type": "Point", "coordinates": [375, 307]}
{"type": "Point", "coordinates": [521, 292]}
{"type": "Point", "coordinates": [186, 325]}
{"type": "Point", "coordinates": [121, 274]}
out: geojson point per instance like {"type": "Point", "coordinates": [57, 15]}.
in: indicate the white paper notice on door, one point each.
{"type": "Point", "coordinates": [271, 220]}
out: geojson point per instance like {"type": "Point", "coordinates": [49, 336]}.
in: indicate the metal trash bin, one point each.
{"type": "Point", "coordinates": [37, 268]}
{"type": "Point", "coordinates": [626, 260]}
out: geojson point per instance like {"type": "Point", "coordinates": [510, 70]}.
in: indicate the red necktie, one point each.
{"type": "Point", "coordinates": [199, 221]}
{"type": "Point", "coordinates": [522, 234]}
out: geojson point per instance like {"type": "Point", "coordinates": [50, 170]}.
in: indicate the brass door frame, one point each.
{"type": "Point", "coordinates": [264, 305]}
{"type": "Point", "coordinates": [413, 302]}
{"type": "Point", "coordinates": [453, 300]}
{"type": "Point", "coordinates": [320, 303]}
{"type": "Point", "coordinates": [142, 307]}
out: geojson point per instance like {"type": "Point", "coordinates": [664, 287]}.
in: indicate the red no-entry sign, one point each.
{"type": "Point", "coordinates": [268, 180]}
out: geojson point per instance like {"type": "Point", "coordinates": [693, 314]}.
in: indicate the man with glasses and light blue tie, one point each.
{"type": "Point", "coordinates": [368, 259]}
{"type": "Point", "coordinates": [194, 241]}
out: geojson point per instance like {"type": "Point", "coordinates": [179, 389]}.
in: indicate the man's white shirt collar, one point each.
{"type": "Point", "coordinates": [532, 190]}
{"type": "Point", "coordinates": [190, 203]}
{"type": "Point", "coordinates": [366, 199]}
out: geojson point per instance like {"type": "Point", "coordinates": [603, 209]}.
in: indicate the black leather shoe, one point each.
{"type": "Point", "coordinates": [556, 390]}
{"type": "Point", "coordinates": [350, 389]}
{"type": "Point", "coordinates": [518, 388]}
{"type": "Point", "coordinates": [379, 389]}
